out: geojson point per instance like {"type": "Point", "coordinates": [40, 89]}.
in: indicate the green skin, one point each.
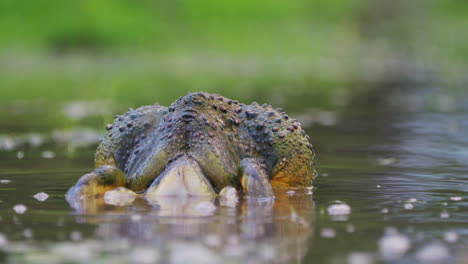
{"type": "Point", "coordinates": [205, 142]}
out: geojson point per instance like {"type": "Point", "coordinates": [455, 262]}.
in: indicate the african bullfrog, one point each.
{"type": "Point", "coordinates": [200, 145]}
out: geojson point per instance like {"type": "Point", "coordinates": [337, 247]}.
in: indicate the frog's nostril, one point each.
{"type": "Point", "coordinates": [187, 117]}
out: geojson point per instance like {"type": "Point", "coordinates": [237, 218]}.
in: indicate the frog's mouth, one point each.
{"type": "Point", "coordinates": [182, 177]}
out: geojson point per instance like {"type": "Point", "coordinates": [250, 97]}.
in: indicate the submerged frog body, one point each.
{"type": "Point", "coordinates": [199, 145]}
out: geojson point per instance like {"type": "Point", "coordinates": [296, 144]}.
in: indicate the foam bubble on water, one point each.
{"type": "Point", "coordinates": [20, 208]}
{"type": "Point", "coordinates": [444, 215]}
{"type": "Point", "coordinates": [41, 196]}
{"type": "Point", "coordinates": [360, 258]}
{"type": "Point", "coordinates": [143, 255]}
{"type": "Point", "coordinates": [327, 233]}
{"type": "Point", "coordinates": [433, 253]}
{"type": "Point", "coordinates": [205, 208]}
{"type": "Point", "coordinates": [5, 181]}
{"type": "Point", "coordinates": [291, 192]}
{"type": "Point", "coordinates": [412, 200]}
{"type": "Point", "coordinates": [384, 211]}
{"type": "Point", "coordinates": [339, 209]}
{"type": "Point", "coordinates": [408, 206]}
{"type": "Point", "coordinates": [378, 186]}
{"type": "Point", "coordinates": [393, 246]}
{"type": "Point", "coordinates": [456, 198]}
{"type": "Point", "coordinates": [48, 154]}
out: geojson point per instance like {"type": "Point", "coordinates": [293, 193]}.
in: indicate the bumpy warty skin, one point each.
{"type": "Point", "coordinates": [215, 131]}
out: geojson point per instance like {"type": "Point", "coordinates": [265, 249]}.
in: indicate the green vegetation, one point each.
{"type": "Point", "coordinates": [245, 27]}
{"type": "Point", "coordinates": [294, 54]}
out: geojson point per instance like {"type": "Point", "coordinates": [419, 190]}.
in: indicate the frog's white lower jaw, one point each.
{"type": "Point", "coordinates": [183, 177]}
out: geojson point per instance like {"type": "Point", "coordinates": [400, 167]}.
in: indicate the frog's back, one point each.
{"type": "Point", "coordinates": [266, 134]}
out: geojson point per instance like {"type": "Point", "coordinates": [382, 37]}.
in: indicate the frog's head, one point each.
{"type": "Point", "coordinates": [206, 127]}
{"type": "Point", "coordinates": [199, 114]}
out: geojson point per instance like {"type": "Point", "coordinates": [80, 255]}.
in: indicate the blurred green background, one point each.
{"type": "Point", "coordinates": [293, 54]}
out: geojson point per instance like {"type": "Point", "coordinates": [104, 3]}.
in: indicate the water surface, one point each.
{"type": "Point", "coordinates": [397, 161]}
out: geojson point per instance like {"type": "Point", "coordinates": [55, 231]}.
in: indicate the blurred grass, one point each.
{"type": "Point", "coordinates": [172, 26]}
{"type": "Point", "coordinates": [293, 54]}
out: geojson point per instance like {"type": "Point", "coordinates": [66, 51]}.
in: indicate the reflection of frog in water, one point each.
{"type": "Point", "coordinates": [199, 145]}
{"type": "Point", "coordinates": [255, 231]}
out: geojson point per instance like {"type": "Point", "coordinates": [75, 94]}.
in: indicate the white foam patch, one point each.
{"type": "Point", "coordinates": [393, 246]}
{"type": "Point", "coordinates": [339, 209]}
{"type": "Point", "coordinates": [408, 206]}
{"type": "Point", "coordinates": [20, 208]}
{"type": "Point", "coordinates": [41, 196]}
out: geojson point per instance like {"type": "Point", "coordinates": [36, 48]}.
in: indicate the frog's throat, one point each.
{"type": "Point", "coordinates": [183, 177]}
